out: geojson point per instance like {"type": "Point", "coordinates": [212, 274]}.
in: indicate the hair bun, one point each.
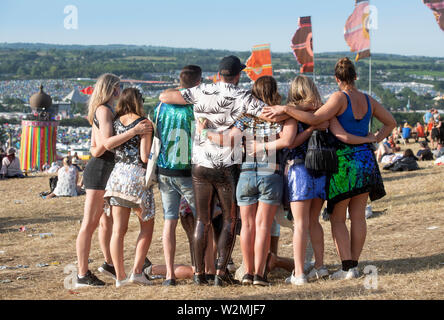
{"type": "Point", "coordinates": [345, 70]}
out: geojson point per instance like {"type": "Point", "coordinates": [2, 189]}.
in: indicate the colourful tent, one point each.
{"type": "Point", "coordinates": [37, 144]}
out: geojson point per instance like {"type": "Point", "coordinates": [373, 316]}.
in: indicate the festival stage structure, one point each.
{"type": "Point", "coordinates": [39, 134]}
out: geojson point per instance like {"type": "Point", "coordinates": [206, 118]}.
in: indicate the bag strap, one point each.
{"type": "Point", "coordinates": [157, 119]}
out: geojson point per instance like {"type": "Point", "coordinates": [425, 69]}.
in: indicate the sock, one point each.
{"type": "Point", "coordinates": [81, 277]}
{"type": "Point", "coordinates": [354, 263]}
{"type": "Point", "coordinates": [347, 265]}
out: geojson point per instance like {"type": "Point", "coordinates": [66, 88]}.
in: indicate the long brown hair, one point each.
{"type": "Point", "coordinates": [265, 89]}
{"type": "Point", "coordinates": [130, 101]}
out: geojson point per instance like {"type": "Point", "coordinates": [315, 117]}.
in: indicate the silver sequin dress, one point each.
{"type": "Point", "coordinates": [126, 184]}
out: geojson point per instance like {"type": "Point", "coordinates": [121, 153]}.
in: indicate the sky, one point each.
{"type": "Point", "coordinates": [404, 27]}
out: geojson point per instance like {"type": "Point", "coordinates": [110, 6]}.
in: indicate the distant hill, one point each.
{"type": "Point", "coordinates": [53, 61]}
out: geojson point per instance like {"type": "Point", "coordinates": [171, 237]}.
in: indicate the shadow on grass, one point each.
{"type": "Point", "coordinates": [406, 265]}
{"type": "Point", "coordinates": [405, 175]}
{"type": "Point", "coordinates": [341, 292]}
{"type": "Point", "coordinates": [7, 222]}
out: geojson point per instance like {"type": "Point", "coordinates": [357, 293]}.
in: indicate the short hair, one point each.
{"type": "Point", "coordinates": [190, 76]}
{"type": "Point", "coordinates": [345, 71]}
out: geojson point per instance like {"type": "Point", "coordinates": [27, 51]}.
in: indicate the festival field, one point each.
{"type": "Point", "coordinates": [405, 242]}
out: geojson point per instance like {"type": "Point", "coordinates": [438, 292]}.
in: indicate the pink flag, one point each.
{"type": "Point", "coordinates": [356, 30]}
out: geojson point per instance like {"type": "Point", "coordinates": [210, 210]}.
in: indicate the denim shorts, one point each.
{"type": "Point", "coordinates": [257, 185]}
{"type": "Point", "coordinates": [172, 189]}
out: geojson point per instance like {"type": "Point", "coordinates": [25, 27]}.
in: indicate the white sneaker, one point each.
{"type": "Point", "coordinates": [316, 274]}
{"type": "Point", "coordinates": [121, 283]}
{"type": "Point", "coordinates": [353, 273]}
{"type": "Point", "coordinates": [368, 211]}
{"type": "Point", "coordinates": [297, 281]}
{"type": "Point", "coordinates": [140, 278]}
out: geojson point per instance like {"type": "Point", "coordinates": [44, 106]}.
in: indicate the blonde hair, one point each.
{"type": "Point", "coordinates": [304, 91]}
{"type": "Point", "coordinates": [102, 94]}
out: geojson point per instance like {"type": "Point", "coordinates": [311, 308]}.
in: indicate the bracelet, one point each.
{"type": "Point", "coordinates": [204, 134]}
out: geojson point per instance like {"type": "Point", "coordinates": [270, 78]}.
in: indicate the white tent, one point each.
{"type": "Point", "coordinates": [76, 97]}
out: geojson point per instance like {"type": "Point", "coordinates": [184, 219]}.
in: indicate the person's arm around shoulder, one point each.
{"type": "Point", "coordinates": [388, 121]}
{"type": "Point", "coordinates": [178, 96]}
{"type": "Point", "coordinates": [330, 109]}
{"type": "Point", "coordinates": [342, 135]}
{"type": "Point", "coordinates": [105, 118]}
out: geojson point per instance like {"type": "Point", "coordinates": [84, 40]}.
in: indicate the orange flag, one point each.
{"type": "Point", "coordinates": [259, 63]}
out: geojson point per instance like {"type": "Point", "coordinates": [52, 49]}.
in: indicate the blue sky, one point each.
{"type": "Point", "coordinates": [404, 26]}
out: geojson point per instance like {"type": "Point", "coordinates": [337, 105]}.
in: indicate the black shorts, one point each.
{"type": "Point", "coordinates": [97, 172]}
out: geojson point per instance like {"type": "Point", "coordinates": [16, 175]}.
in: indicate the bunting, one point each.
{"type": "Point", "coordinates": [259, 63]}
{"type": "Point", "coordinates": [302, 45]}
{"type": "Point", "coordinates": [438, 10]}
{"type": "Point", "coordinates": [356, 32]}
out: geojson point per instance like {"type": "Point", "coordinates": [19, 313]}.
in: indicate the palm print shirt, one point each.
{"type": "Point", "coordinates": [222, 104]}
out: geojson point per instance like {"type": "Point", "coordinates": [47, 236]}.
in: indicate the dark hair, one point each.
{"type": "Point", "coordinates": [130, 101]}
{"type": "Point", "coordinates": [408, 153]}
{"type": "Point", "coordinates": [345, 71]}
{"type": "Point", "coordinates": [265, 89]}
{"type": "Point", "coordinates": [229, 79]}
{"type": "Point", "coordinates": [190, 76]}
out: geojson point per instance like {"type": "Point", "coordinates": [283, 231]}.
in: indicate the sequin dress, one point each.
{"type": "Point", "coordinates": [126, 184]}
{"type": "Point", "coordinates": [301, 183]}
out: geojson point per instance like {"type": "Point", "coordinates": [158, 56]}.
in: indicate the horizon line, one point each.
{"type": "Point", "coordinates": [192, 48]}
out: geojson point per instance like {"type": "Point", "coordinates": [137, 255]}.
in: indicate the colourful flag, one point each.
{"type": "Point", "coordinates": [215, 78]}
{"type": "Point", "coordinates": [259, 63]}
{"type": "Point", "coordinates": [88, 90]}
{"type": "Point", "coordinates": [356, 30]}
{"type": "Point", "coordinates": [302, 45]}
{"type": "Point", "coordinates": [438, 10]}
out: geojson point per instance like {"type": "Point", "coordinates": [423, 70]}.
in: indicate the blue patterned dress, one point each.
{"type": "Point", "coordinates": [301, 183]}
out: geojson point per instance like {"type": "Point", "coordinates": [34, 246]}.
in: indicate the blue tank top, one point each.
{"type": "Point", "coordinates": [352, 125]}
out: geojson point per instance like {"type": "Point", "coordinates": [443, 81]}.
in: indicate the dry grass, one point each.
{"type": "Point", "coordinates": [409, 257]}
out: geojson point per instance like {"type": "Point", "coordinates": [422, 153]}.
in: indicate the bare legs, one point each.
{"type": "Point", "coordinates": [306, 220]}
{"type": "Point", "coordinates": [349, 246]}
{"type": "Point", "coordinates": [169, 246]}
{"type": "Point", "coordinates": [105, 232]}
{"type": "Point", "coordinates": [255, 236]}
{"type": "Point", "coordinates": [120, 227]}
{"type": "Point", "coordinates": [92, 212]}
{"type": "Point", "coordinates": [143, 244]}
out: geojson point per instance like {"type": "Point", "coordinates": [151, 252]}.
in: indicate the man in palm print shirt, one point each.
{"type": "Point", "coordinates": [215, 167]}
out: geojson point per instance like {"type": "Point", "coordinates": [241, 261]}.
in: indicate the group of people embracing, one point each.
{"type": "Point", "coordinates": [233, 157]}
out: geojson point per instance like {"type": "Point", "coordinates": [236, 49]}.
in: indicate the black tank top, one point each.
{"type": "Point", "coordinates": [107, 155]}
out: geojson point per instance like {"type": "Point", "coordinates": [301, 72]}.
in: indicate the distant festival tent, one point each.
{"type": "Point", "coordinates": [438, 10]}
{"type": "Point", "coordinates": [302, 45]}
{"type": "Point", "coordinates": [75, 97]}
{"type": "Point", "coordinates": [356, 31]}
{"type": "Point", "coordinates": [88, 90]}
{"type": "Point", "coordinates": [37, 144]}
{"type": "Point", "coordinates": [259, 63]}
